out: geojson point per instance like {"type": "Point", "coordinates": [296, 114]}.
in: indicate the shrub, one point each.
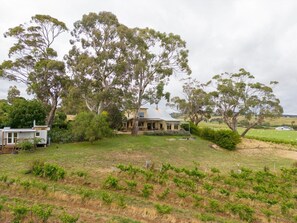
{"type": "Point", "coordinates": [26, 145]}
{"type": "Point", "coordinates": [67, 218]}
{"type": "Point", "coordinates": [226, 139]}
{"type": "Point", "coordinates": [163, 209]}
{"type": "Point", "coordinates": [181, 132]}
{"type": "Point", "coordinates": [147, 190]}
{"type": "Point", "coordinates": [60, 135]}
{"type": "Point", "coordinates": [42, 212]}
{"type": "Point", "coordinates": [51, 171]}
{"type": "Point", "coordinates": [90, 127]}
{"type": "Point", "coordinates": [111, 182]}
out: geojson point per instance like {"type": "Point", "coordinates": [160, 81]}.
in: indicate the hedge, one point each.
{"type": "Point", "coordinates": [226, 139]}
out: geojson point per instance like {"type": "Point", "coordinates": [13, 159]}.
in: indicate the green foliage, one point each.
{"type": "Point", "coordinates": [147, 190]}
{"type": "Point", "coordinates": [245, 212]}
{"type": "Point", "coordinates": [237, 94]}
{"type": "Point", "coordinates": [23, 112]}
{"type": "Point", "coordinates": [19, 212]}
{"type": "Point", "coordinates": [168, 133]}
{"type": "Point", "coordinates": [61, 135]}
{"type": "Point", "coordinates": [207, 217]}
{"type": "Point", "coordinates": [163, 209]}
{"type": "Point", "coordinates": [164, 194]}
{"type": "Point", "coordinates": [42, 212]}
{"type": "Point", "coordinates": [106, 198]}
{"type": "Point", "coordinates": [226, 139]}
{"type": "Point", "coordinates": [33, 61]}
{"type": "Point", "coordinates": [68, 218]}
{"type": "Point", "coordinates": [90, 127]}
{"type": "Point", "coordinates": [26, 145]}
{"type": "Point", "coordinates": [111, 183]}
{"type": "Point", "coordinates": [51, 171]}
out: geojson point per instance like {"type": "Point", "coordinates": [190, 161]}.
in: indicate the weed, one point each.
{"type": "Point", "coordinates": [68, 218]}
{"type": "Point", "coordinates": [163, 209]}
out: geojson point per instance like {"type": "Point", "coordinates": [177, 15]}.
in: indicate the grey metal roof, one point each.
{"type": "Point", "coordinates": [18, 130]}
{"type": "Point", "coordinates": [159, 114]}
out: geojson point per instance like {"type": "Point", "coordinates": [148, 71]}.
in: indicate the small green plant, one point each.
{"type": "Point", "coordinates": [68, 218]}
{"type": "Point", "coordinates": [131, 185]}
{"type": "Point", "coordinates": [106, 198]}
{"type": "Point", "coordinates": [121, 201]}
{"type": "Point", "coordinates": [111, 183]}
{"type": "Point", "coordinates": [164, 194]}
{"type": "Point", "coordinates": [85, 194]}
{"type": "Point", "coordinates": [163, 209]}
{"type": "Point", "coordinates": [147, 190]}
{"type": "Point", "coordinates": [19, 212]}
{"type": "Point", "coordinates": [42, 212]}
{"type": "Point", "coordinates": [182, 194]}
{"type": "Point", "coordinates": [206, 217]}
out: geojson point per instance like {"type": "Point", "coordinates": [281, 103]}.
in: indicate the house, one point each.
{"type": "Point", "coordinates": [9, 137]}
{"type": "Point", "coordinates": [152, 119]}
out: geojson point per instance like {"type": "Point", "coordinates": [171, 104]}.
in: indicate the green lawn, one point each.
{"type": "Point", "coordinates": [136, 150]}
{"type": "Point", "coordinates": [178, 195]}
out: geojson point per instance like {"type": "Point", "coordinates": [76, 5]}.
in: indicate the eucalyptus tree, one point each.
{"type": "Point", "coordinates": [34, 62]}
{"type": "Point", "coordinates": [197, 103]}
{"type": "Point", "coordinates": [237, 94]}
{"type": "Point", "coordinates": [12, 94]}
{"type": "Point", "coordinates": [97, 59]}
{"type": "Point", "coordinates": [154, 57]}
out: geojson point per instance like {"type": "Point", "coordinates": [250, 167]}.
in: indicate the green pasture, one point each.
{"type": "Point", "coordinates": [126, 149]}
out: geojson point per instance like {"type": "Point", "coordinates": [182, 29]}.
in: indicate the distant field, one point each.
{"type": "Point", "coordinates": [197, 186]}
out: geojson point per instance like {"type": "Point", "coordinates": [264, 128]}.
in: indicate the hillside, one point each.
{"type": "Point", "coordinates": [106, 182]}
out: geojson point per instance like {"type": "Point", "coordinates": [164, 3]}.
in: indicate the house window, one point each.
{"type": "Point", "coordinates": [141, 114]}
{"type": "Point", "coordinates": [12, 137]}
{"type": "Point", "coordinates": [168, 126]}
{"type": "Point", "coordinates": [176, 126]}
{"type": "Point", "coordinates": [37, 134]}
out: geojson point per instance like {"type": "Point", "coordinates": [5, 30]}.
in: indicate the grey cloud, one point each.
{"type": "Point", "coordinates": [259, 36]}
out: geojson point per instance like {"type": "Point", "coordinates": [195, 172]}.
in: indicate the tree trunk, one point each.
{"type": "Point", "coordinates": [246, 130]}
{"type": "Point", "coordinates": [135, 123]}
{"type": "Point", "coordinates": [51, 115]}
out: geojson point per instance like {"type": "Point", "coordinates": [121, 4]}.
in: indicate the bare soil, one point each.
{"type": "Point", "coordinates": [251, 146]}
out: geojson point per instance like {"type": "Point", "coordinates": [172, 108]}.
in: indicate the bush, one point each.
{"type": "Point", "coordinates": [181, 132]}
{"type": "Point", "coordinates": [90, 127]}
{"type": "Point", "coordinates": [51, 171]}
{"type": "Point", "coordinates": [60, 135]}
{"type": "Point", "coordinates": [26, 145]}
{"type": "Point", "coordinates": [163, 209]}
{"type": "Point", "coordinates": [226, 139]}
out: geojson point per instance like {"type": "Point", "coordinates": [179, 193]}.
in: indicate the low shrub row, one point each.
{"type": "Point", "coordinates": [181, 132]}
{"type": "Point", "coordinates": [226, 139]}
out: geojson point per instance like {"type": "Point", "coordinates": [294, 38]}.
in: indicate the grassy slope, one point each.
{"type": "Point", "coordinates": [97, 161]}
{"type": "Point", "coordinates": [136, 150]}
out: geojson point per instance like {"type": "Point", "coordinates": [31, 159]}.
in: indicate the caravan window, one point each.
{"type": "Point", "coordinates": [12, 137]}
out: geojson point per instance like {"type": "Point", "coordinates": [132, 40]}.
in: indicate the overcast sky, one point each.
{"type": "Point", "coordinates": [222, 36]}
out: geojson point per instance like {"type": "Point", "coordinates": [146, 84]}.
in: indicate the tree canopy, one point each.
{"type": "Point", "coordinates": [237, 94]}
{"type": "Point", "coordinates": [34, 62]}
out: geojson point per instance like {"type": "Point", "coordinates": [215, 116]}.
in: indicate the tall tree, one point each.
{"type": "Point", "coordinates": [13, 93]}
{"type": "Point", "coordinates": [239, 95]}
{"type": "Point", "coordinates": [155, 56]}
{"type": "Point", "coordinates": [97, 59]}
{"type": "Point", "coordinates": [197, 103]}
{"type": "Point", "coordinates": [34, 62]}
